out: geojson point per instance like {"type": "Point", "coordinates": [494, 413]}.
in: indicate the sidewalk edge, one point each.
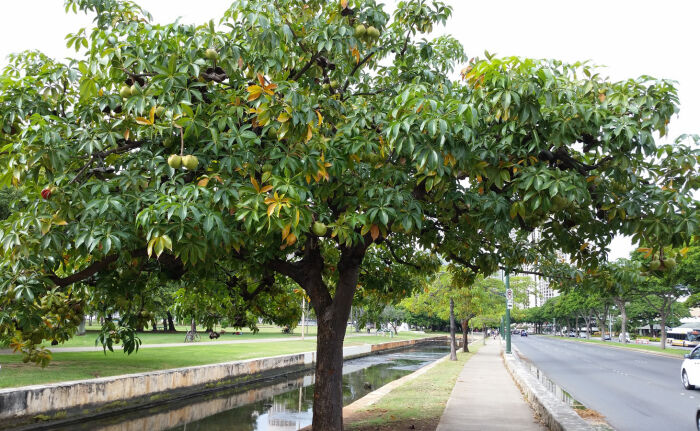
{"type": "Point", "coordinates": [556, 415]}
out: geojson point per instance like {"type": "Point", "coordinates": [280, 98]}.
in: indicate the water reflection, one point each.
{"type": "Point", "coordinates": [284, 404]}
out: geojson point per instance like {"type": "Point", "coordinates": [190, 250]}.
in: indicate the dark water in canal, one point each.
{"type": "Point", "coordinates": [282, 404]}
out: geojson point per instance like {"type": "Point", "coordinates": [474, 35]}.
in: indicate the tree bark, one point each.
{"type": "Point", "coordinates": [193, 326]}
{"type": "Point", "coordinates": [332, 316]}
{"type": "Point", "coordinates": [171, 324]}
{"type": "Point", "coordinates": [620, 302]}
{"type": "Point", "coordinates": [465, 335]}
{"type": "Point", "coordinates": [328, 393]}
{"type": "Point", "coordinates": [453, 343]}
{"type": "Point", "coordinates": [663, 330]}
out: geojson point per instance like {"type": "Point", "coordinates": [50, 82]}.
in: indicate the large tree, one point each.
{"type": "Point", "coordinates": [323, 134]}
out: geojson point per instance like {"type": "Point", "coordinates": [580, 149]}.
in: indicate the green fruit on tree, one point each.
{"type": "Point", "coordinates": [168, 142]}
{"type": "Point", "coordinates": [670, 263]}
{"type": "Point", "coordinates": [372, 32]}
{"type": "Point", "coordinates": [654, 264]}
{"type": "Point", "coordinates": [190, 162]}
{"type": "Point", "coordinates": [160, 111]}
{"type": "Point", "coordinates": [326, 87]}
{"type": "Point", "coordinates": [135, 89]}
{"type": "Point", "coordinates": [211, 54]}
{"type": "Point", "coordinates": [319, 228]}
{"type": "Point", "coordinates": [334, 84]}
{"type": "Point", "coordinates": [174, 161]}
{"type": "Point", "coordinates": [125, 91]}
{"type": "Point", "coordinates": [360, 30]}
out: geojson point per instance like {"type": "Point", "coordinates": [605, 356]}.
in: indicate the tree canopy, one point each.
{"type": "Point", "coordinates": [301, 139]}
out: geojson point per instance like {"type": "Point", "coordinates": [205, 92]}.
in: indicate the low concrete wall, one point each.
{"type": "Point", "coordinates": [555, 414]}
{"type": "Point", "coordinates": [87, 397]}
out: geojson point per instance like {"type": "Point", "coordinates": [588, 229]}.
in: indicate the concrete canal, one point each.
{"type": "Point", "coordinates": [279, 404]}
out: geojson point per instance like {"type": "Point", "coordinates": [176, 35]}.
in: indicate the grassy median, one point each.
{"type": "Point", "coordinates": [66, 366]}
{"type": "Point", "coordinates": [416, 405]}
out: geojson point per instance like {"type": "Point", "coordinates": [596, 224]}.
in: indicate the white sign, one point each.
{"type": "Point", "coordinates": [509, 299]}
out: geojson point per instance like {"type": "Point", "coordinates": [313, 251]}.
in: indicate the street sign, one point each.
{"type": "Point", "coordinates": [509, 299]}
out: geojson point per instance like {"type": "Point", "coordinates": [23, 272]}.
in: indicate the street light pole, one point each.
{"type": "Point", "coordinates": [507, 323]}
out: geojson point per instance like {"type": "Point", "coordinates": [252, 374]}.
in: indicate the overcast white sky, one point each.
{"type": "Point", "coordinates": [629, 37]}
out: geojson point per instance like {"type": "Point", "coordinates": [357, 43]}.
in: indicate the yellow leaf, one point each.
{"type": "Point", "coordinates": [296, 221]}
{"type": "Point", "coordinates": [585, 245]}
{"type": "Point", "coordinates": [127, 132]}
{"type": "Point", "coordinates": [152, 115]}
{"type": "Point", "coordinates": [291, 239]}
{"type": "Point", "coordinates": [271, 208]}
{"type": "Point", "coordinates": [283, 118]}
{"type": "Point", "coordinates": [356, 54]}
{"type": "Point", "coordinates": [344, 3]}
{"type": "Point", "coordinates": [58, 221]}
{"type": "Point", "coordinates": [203, 182]}
{"type": "Point", "coordinates": [309, 133]}
{"type": "Point", "coordinates": [683, 251]}
{"type": "Point", "coordinates": [255, 184]}
{"type": "Point", "coordinates": [144, 121]}
{"type": "Point", "coordinates": [591, 178]}
{"type": "Point", "coordinates": [45, 226]}
{"type": "Point", "coordinates": [254, 92]}
{"type": "Point", "coordinates": [261, 79]}
{"type": "Point", "coordinates": [320, 117]}
{"type": "Point", "coordinates": [265, 189]}
{"type": "Point", "coordinates": [269, 89]}
{"type": "Point", "coordinates": [286, 231]}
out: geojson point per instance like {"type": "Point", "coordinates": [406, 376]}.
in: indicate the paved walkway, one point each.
{"type": "Point", "coordinates": [485, 397]}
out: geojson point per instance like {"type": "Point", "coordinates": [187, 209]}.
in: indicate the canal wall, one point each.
{"type": "Point", "coordinates": [59, 401]}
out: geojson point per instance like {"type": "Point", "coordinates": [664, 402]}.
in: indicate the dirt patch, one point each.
{"type": "Point", "coordinates": [590, 415]}
{"type": "Point", "coordinates": [357, 421]}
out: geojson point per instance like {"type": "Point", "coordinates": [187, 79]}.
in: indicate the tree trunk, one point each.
{"type": "Point", "coordinates": [453, 344]}
{"type": "Point", "coordinates": [193, 326]}
{"type": "Point", "coordinates": [623, 320]}
{"type": "Point", "coordinates": [663, 330]}
{"type": "Point", "coordinates": [171, 324]}
{"type": "Point", "coordinates": [165, 324]}
{"type": "Point", "coordinates": [332, 314]}
{"type": "Point", "coordinates": [465, 335]}
{"type": "Point", "coordinates": [328, 394]}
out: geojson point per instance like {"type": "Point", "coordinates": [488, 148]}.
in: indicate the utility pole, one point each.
{"type": "Point", "coordinates": [509, 305]}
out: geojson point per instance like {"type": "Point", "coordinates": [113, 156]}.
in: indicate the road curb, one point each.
{"type": "Point", "coordinates": [628, 349]}
{"type": "Point", "coordinates": [555, 414]}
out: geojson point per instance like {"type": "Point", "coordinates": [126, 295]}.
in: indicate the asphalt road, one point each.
{"type": "Point", "coordinates": [633, 390]}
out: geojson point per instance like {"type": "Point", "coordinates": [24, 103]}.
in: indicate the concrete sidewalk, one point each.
{"type": "Point", "coordinates": [485, 397]}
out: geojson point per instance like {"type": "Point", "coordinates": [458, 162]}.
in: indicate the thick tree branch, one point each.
{"type": "Point", "coordinates": [390, 247]}
{"type": "Point", "coordinates": [357, 66]}
{"type": "Point", "coordinates": [83, 274]}
{"type": "Point", "coordinates": [306, 67]}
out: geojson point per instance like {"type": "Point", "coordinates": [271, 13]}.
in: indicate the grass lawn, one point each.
{"type": "Point", "coordinates": [417, 404]}
{"type": "Point", "coordinates": [675, 352]}
{"type": "Point", "coordinates": [88, 340]}
{"type": "Point", "coordinates": [67, 366]}
{"type": "Point", "coordinates": [147, 337]}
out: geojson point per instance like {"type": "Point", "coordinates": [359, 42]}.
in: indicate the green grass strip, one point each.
{"type": "Point", "coordinates": [67, 366]}
{"type": "Point", "coordinates": [421, 399]}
